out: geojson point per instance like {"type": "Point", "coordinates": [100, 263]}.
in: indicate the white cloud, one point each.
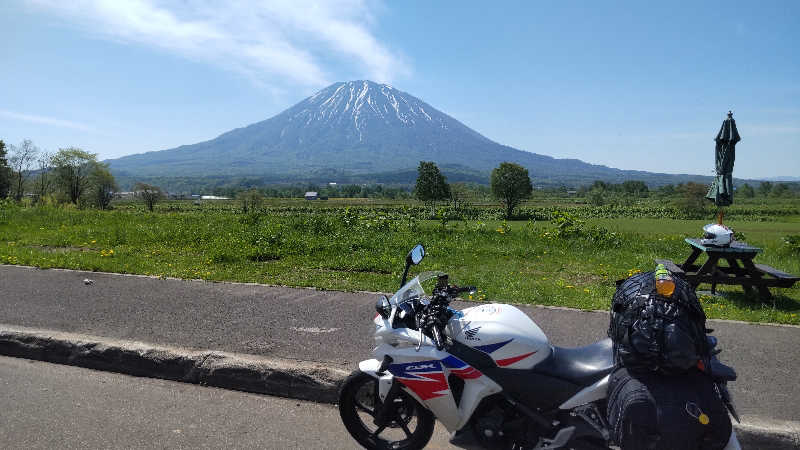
{"type": "Point", "coordinates": [286, 41]}
{"type": "Point", "coordinates": [45, 120]}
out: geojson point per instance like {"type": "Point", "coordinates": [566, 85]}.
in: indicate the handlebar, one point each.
{"type": "Point", "coordinates": [434, 316]}
{"type": "Point", "coordinates": [450, 291]}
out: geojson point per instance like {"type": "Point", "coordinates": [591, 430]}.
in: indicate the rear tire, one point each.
{"type": "Point", "coordinates": [409, 428]}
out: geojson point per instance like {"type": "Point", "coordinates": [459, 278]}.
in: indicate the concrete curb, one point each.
{"type": "Point", "coordinates": [281, 377]}
{"type": "Point", "coordinates": [768, 435]}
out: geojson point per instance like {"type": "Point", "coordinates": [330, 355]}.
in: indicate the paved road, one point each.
{"type": "Point", "coordinates": [331, 327]}
{"type": "Point", "coordinates": [44, 406]}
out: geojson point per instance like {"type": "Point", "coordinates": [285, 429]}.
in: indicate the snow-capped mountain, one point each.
{"type": "Point", "coordinates": [350, 128]}
{"type": "Point", "coordinates": [356, 106]}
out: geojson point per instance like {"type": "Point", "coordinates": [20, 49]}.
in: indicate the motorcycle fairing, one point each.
{"type": "Point", "coordinates": [502, 332]}
{"type": "Point", "coordinates": [492, 347]}
{"type": "Point", "coordinates": [424, 375]}
{"type": "Point", "coordinates": [425, 378]}
{"type": "Point", "coordinates": [461, 369]}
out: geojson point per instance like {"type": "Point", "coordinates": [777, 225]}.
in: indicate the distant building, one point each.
{"type": "Point", "coordinates": [213, 197]}
{"type": "Point", "coordinates": [311, 195]}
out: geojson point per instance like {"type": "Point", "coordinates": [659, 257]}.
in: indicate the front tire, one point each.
{"type": "Point", "coordinates": [410, 425]}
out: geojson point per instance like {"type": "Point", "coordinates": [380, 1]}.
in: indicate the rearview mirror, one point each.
{"type": "Point", "coordinates": [413, 257]}
{"type": "Point", "coordinates": [416, 254]}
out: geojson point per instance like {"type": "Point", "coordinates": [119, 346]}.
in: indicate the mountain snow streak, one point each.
{"type": "Point", "coordinates": [359, 102]}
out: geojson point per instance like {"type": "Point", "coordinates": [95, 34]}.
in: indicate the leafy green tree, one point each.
{"type": "Point", "coordinates": [636, 188]}
{"type": "Point", "coordinates": [780, 190]}
{"type": "Point", "coordinates": [510, 184]}
{"type": "Point", "coordinates": [693, 200]}
{"type": "Point", "coordinates": [765, 188]}
{"type": "Point", "coordinates": [5, 172]}
{"type": "Point", "coordinates": [597, 197]}
{"type": "Point", "coordinates": [746, 191]}
{"type": "Point", "coordinates": [103, 185]}
{"type": "Point", "coordinates": [431, 184]}
{"type": "Point", "coordinates": [73, 168]}
{"type": "Point", "coordinates": [251, 200]}
{"type": "Point", "coordinates": [667, 190]}
{"type": "Point", "coordinates": [22, 158]}
{"type": "Point", "coordinates": [150, 194]}
{"type": "Point", "coordinates": [44, 179]}
{"type": "Point", "coordinates": [351, 190]}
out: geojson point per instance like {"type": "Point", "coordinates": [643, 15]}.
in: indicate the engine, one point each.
{"type": "Point", "coordinates": [498, 425]}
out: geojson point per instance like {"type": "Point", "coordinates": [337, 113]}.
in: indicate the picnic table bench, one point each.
{"type": "Point", "coordinates": [740, 268]}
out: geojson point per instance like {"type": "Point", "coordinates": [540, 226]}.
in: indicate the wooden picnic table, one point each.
{"type": "Point", "coordinates": [739, 269]}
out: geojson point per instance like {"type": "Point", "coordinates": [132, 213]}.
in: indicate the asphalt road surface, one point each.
{"type": "Point", "coordinates": [49, 406]}
{"type": "Point", "coordinates": [333, 327]}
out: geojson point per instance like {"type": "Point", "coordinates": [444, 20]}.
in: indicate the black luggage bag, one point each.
{"type": "Point", "coordinates": [659, 412]}
{"type": "Point", "coordinates": [656, 333]}
{"type": "Point", "coordinates": [661, 394]}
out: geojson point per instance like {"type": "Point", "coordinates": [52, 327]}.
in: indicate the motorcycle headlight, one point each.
{"type": "Point", "coordinates": [383, 306]}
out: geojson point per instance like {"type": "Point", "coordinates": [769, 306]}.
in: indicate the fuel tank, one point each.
{"type": "Point", "coordinates": [503, 332]}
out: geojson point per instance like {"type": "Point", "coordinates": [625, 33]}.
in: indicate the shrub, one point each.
{"type": "Point", "coordinates": [570, 227]}
{"type": "Point", "coordinates": [791, 244]}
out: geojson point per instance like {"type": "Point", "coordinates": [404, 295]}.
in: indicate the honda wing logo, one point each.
{"type": "Point", "coordinates": [472, 333]}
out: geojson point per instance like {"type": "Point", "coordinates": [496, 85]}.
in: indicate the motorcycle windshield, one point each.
{"type": "Point", "coordinates": [413, 289]}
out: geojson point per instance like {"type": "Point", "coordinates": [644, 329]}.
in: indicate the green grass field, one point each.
{"type": "Point", "coordinates": [349, 245]}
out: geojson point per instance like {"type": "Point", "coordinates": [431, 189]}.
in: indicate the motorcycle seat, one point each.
{"type": "Point", "coordinates": [579, 365]}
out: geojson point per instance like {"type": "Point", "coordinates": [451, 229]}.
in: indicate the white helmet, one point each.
{"type": "Point", "coordinates": [716, 234]}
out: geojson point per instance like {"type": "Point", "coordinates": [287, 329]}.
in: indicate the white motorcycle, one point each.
{"type": "Point", "coordinates": [487, 373]}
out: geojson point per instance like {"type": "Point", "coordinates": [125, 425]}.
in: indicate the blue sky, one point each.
{"type": "Point", "coordinates": [633, 85]}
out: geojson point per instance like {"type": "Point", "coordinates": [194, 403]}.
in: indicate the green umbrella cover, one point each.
{"type": "Point", "coordinates": [721, 192]}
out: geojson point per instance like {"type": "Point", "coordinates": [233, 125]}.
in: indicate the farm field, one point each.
{"type": "Point", "coordinates": [564, 254]}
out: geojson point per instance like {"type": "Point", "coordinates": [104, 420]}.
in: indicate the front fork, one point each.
{"type": "Point", "coordinates": [388, 387]}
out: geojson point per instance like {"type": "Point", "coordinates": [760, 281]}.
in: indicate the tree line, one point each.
{"type": "Point", "coordinates": [70, 175]}
{"type": "Point", "coordinates": [75, 176]}
{"type": "Point", "coordinates": [509, 184]}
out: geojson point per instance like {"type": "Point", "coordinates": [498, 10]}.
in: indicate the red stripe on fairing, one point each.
{"type": "Point", "coordinates": [426, 389]}
{"type": "Point", "coordinates": [469, 373]}
{"type": "Point", "coordinates": [509, 361]}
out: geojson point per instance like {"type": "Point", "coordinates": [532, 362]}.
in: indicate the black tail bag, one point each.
{"type": "Point", "coordinates": [660, 412]}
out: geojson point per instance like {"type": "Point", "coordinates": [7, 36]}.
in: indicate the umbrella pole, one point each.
{"type": "Point", "coordinates": [720, 214]}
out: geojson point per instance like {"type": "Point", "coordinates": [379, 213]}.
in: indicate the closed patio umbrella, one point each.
{"type": "Point", "coordinates": [721, 191]}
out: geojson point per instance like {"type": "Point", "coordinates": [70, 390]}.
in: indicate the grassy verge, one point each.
{"type": "Point", "coordinates": [567, 263]}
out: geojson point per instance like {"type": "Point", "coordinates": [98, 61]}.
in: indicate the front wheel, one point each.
{"type": "Point", "coordinates": [410, 425]}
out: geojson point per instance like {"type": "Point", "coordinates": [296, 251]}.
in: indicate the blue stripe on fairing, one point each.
{"type": "Point", "coordinates": [402, 370]}
{"type": "Point", "coordinates": [452, 362]}
{"type": "Point", "coordinates": [491, 347]}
